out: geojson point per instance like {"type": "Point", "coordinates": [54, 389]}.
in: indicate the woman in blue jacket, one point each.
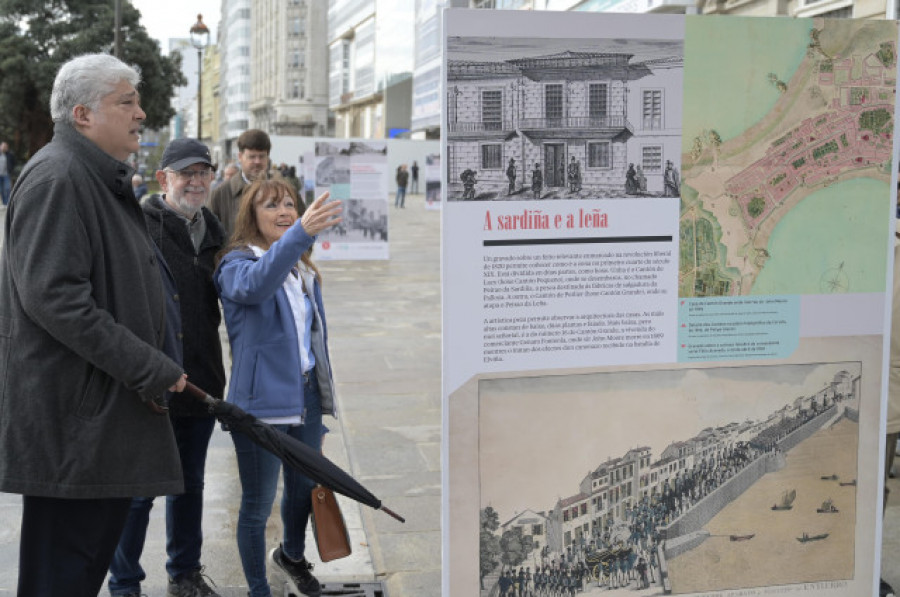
{"type": "Point", "coordinates": [270, 291]}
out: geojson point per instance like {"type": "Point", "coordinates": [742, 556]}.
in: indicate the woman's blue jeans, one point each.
{"type": "Point", "coordinates": [259, 470]}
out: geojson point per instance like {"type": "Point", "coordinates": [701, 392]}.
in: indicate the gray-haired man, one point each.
{"type": "Point", "coordinates": [82, 377]}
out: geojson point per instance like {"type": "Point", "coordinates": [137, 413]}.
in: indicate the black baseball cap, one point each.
{"type": "Point", "coordinates": [181, 153]}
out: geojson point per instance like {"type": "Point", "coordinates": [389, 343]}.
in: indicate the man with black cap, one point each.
{"type": "Point", "coordinates": [188, 236]}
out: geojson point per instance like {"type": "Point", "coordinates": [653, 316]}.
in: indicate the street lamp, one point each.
{"type": "Point", "coordinates": [199, 39]}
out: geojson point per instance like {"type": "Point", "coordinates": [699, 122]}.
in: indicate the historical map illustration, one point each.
{"type": "Point", "coordinates": [669, 481]}
{"type": "Point", "coordinates": [787, 146]}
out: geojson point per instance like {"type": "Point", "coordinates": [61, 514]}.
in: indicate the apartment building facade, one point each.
{"type": "Point", "coordinates": [370, 64]}
{"type": "Point", "coordinates": [288, 73]}
{"type": "Point", "coordinates": [234, 89]}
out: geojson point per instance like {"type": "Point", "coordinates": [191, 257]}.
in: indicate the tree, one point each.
{"type": "Point", "coordinates": [714, 141]}
{"type": "Point", "coordinates": [37, 37]}
{"type": "Point", "coordinates": [515, 546]}
{"type": "Point", "coordinates": [755, 207]}
{"type": "Point", "coordinates": [697, 149]}
{"type": "Point", "coordinates": [489, 542]}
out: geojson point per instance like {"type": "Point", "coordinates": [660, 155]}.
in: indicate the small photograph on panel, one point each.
{"type": "Point", "coordinates": [363, 221]}
{"type": "Point", "coordinates": [534, 119]}
{"type": "Point", "coordinates": [333, 170]}
{"type": "Point", "coordinates": [669, 481]}
{"type": "Point", "coordinates": [367, 148]}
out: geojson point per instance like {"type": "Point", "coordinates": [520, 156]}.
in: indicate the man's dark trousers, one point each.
{"type": "Point", "coordinates": [67, 544]}
{"type": "Point", "coordinates": [184, 514]}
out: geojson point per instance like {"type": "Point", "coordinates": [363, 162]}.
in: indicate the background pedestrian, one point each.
{"type": "Point", "coordinates": [189, 236]}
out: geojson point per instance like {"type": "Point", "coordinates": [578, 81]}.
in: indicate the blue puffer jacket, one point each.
{"type": "Point", "coordinates": [266, 378]}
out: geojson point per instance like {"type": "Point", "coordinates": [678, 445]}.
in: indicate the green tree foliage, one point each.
{"type": "Point", "coordinates": [515, 546]}
{"type": "Point", "coordinates": [696, 149]}
{"type": "Point", "coordinates": [714, 141]}
{"type": "Point", "coordinates": [756, 207]}
{"type": "Point", "coordinates": [489, 542]}
{"type": "Point", "coordinates": [886, 54]}
{"type": "Point", "coordinates": [38, 36]}
{"type": "Point", "coordinates": [875, 120]}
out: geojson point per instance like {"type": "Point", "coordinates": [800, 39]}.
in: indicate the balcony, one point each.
{"type": "Point", "coordinates": [481, 130]}
{"type": "Point", "coordinates": [603, 127]}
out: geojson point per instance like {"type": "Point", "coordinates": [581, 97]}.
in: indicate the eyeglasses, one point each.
{"type": "Point", "coordinates": [204, 174]}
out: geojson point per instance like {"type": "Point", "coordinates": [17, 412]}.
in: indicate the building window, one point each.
{"type": "Point", "coordinates": [652, 109]}
{"type": "Point", "coordinates": [345, 67]}
{"type": "Point", "coordinates": [537, 529]}
{"type": "Point", "coordinates": [597, 100]}
{"type": "Point", "coordinates": [565, 516]}
{"type": "Point", "coordinates": [491, 156]}
{"type": "Point", "coordinates": [583, 509]}
{"type": "Point", "coordinates": [651, 159]}
{"type": "Point", "coordinates": [295, 89]}
{"type": "Point", "coordinates": [492, 110]}
{"type": "Point", "coordinates": [553, 102]}
{"type": "Point", "coordinates": [599, 155]}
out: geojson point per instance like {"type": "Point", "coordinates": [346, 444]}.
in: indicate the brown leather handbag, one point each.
{"type": "Point", "coordinates": [329, 529]}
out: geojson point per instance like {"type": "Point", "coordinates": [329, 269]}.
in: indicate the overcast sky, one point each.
{"type": "Point", "coordinates": [165, 19]}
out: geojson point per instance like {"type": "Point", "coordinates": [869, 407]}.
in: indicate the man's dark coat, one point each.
{"type": "Point", "coordinates": [81, 322]}
{"type": "Point", "coordinates": [198, 301]}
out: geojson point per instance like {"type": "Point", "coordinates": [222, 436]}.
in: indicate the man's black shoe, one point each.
{"type": "Point", "coordinates": [190, 584]}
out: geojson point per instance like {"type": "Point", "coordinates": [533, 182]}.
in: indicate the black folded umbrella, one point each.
{"type": "Point", "coordinates": [292, 452]}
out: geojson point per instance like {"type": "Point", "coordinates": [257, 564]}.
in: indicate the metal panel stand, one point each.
{"type": "Point", "coordinates": [350, 589]}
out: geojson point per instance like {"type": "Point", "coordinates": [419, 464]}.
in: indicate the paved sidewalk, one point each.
{"type": "Point", "coordinates": [385, 338]}
{"type": "Point", "coordinates": [384, 326]}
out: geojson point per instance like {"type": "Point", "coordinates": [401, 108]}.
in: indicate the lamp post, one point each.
{"type": "Point", "coordinates": [199, 39]}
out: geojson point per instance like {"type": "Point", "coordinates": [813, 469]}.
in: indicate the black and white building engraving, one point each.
{"type": "Point", "coordinates": [592, 119]}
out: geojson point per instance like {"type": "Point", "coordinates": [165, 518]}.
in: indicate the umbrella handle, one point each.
{"type": "Point", "coordinates": [199, 394]}
{"type": "Point", "coordinates": [392, 513]}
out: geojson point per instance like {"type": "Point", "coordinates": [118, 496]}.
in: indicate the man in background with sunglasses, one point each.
{"type": "Point", "coordinates": [188, 236]}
